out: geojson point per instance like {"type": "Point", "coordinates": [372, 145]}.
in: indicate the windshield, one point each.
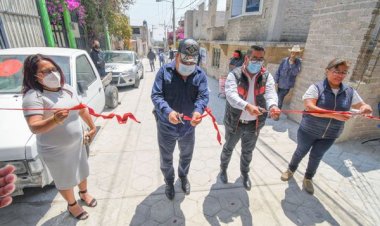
{"type": "Point", "coordinates": [119, 57]}
{"type": "Point", "coordinates": [11, 76]}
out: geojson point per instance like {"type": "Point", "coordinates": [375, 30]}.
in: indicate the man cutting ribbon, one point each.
{"type": "Point", "coordinates": [180, 89]}
{"type": "Point", "coordinates": [250, 90]}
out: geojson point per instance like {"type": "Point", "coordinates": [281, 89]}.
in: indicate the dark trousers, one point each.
{"type": "Point", "coordinates": [151, 62]}
{"type": "Point", "coordinates": [167, 139]}
{"type": "Point", "coordinates": [248, 136]}
{"type": "Point", "coordinates": [317, 148]}
{"type": "Point", "coordinates": [281, 95]}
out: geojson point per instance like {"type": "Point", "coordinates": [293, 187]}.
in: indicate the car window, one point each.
{"type": "Point", "coordinates": [11, 75]}
{"type": "Point", "coordinates": [85, 73]}
{"type": "Point", "coordinates": [118, 57]}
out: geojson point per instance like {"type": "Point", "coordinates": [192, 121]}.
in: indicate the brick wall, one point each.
{"type": "Point", "coordinates": [189, 23]}
{"type": "Point", "coordinates": [341, 28]}
{"type": "Point", "coordinates": [296, 21]}
{"type": "Point", "coordinates": [273, 55]}
{"type": "Point", "coordinates": [248, 28]}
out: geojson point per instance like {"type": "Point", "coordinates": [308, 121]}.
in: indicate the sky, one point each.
{"type": "Point", "coordinates": [158, 13]}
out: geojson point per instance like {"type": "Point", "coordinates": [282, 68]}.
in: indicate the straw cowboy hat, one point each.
{"type": "Point", "coordinates": [295, 48]}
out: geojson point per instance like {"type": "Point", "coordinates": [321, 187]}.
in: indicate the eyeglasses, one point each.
{"type": "Point", "coordinates": [259, 59]}
{"type": "Point", "coordinates": [343, 73]}
{"type": "Point", "coordinates": [48, 71]}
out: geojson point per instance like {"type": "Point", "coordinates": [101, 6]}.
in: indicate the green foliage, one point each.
{"type": "Point", "coordinates": [119, 25]}
{"type": "Point", "coordinates": [111, 12]}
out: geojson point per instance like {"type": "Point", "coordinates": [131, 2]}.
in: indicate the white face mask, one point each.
{"type": "Point", "coordinates": [186, 70]}
{"type": "Point", "coordinates": [52, 80]}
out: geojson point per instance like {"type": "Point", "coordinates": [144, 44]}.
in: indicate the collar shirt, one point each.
{"type": "Point", "coordinates": [237, 102]}
{"type": "Point", "coordinates": [171, 92]}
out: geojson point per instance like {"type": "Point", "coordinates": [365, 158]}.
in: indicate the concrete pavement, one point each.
{"type": "Point", "coordinates": [126, 179]}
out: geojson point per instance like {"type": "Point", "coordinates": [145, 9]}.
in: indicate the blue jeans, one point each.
{"type": "Point", "coordinates": [281, 96]}
{"type": "Point", "coordinates": [317, 147]}
{"type": "Point", "coordinates": [167, 139]}
{"type": "Point", "coordinates": [247, 134]}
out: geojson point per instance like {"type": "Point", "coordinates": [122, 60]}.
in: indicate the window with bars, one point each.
{"type": "Point", "coordinates": [216, 57]}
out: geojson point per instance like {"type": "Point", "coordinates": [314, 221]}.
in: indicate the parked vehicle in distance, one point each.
{"type": "Point", "coordinates": [18, 145]}
{"type": "Point", "coordinates": [126, 68]}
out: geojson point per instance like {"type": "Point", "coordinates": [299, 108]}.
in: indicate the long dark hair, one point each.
{"type": "Point", "coordinates": [30, 70]}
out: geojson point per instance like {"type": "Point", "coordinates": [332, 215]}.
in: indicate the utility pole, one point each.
{"type": "Point", "coordinates": [153, 28]}
{"type": "Point", "coordinates": [174, 33]}
{"type": "Point", "coordinates": [166, 35]}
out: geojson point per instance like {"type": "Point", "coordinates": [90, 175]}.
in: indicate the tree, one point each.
{"type": "Point", "coordinates": [110, 12]}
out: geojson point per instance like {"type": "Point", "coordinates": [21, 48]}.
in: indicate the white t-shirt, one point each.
{"type": "Point", "coordinates": [312, 93]}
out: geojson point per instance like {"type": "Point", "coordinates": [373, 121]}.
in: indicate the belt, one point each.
{"type": "Point", "coordinates": [246, 122]}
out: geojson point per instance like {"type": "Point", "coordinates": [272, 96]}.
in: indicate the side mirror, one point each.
{"type": "Point", "coordinates": [137, 62]}
{"type": "Point", "coordinates": [82, 88]}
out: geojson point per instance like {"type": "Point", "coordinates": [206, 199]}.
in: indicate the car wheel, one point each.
{"type": "Point", "coordinates": [137, 82]}
{"type": "Point", "coordinates": [112, 96]}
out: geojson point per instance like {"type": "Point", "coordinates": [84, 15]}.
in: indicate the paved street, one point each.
{"type": "Point", "coordinates": [127, 181]}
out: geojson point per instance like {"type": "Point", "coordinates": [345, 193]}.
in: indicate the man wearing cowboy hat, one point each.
{"type": "Point", "coordinates": [287, 72]}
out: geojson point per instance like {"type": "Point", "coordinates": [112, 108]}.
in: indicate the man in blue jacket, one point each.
{"type": "Point", "coordinates": [287, 72]}
{"type": "Point", "coordinates": [180, 89]}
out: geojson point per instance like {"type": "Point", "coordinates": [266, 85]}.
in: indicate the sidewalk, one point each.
{"type": "Point", "coordinates": [127, 181]}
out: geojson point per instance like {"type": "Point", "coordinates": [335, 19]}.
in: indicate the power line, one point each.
{"type": "Point", "coordinates": [188, 5]}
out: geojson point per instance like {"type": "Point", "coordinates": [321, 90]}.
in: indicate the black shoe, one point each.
{"type": "Point", "coordinates": [246, 182]}
{"type": "Point", "coordinates": [169, 191]}
{"type": "Point", "coordinates": [223, 176]}
{"type": "Point", "coordinates": [185, 185]}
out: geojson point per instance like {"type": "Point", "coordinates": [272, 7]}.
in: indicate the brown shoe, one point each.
{"type": "Point", "coordinates": [285, 176]}
{"type": "Point", "coordinates": [308, 186]}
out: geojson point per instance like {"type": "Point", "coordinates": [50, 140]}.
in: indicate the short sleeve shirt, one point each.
{"type": "Point", "coordinates": [312, 93]}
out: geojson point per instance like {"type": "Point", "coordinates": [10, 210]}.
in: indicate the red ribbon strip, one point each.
{"type": "Point", "coordinates": [122, 119]}
{"type": "Point", "coordinates": [329, 112]}
{"type": "Point", "coordinates": [209, 113]}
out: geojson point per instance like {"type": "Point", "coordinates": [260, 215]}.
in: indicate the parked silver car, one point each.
{"type": "Point", "coordinates": [126, 68]}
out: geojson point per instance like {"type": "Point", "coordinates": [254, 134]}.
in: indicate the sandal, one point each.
{"type": "Point", "coordinates": [82, 216]}
{"type": "Point", "coordinates": [93, 202]}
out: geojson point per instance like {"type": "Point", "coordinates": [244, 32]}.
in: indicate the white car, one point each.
{"type": "Point", "coordinates": [18, 145]}
{"type": "Point", "coordinates": [125, 66]}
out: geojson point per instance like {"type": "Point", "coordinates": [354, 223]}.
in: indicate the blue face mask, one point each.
{"type": "Point", "coordinates": [254, 66]}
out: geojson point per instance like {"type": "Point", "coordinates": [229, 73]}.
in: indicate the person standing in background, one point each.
{"type": "Point", "coordinates": [98, 57]}
{"type": "Point", "coordinates": [287, 72]}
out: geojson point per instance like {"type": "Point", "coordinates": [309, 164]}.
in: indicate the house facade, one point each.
{"type": "Point", "coordinates": [325, 29]}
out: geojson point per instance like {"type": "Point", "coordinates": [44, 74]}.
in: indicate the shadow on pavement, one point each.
{"type": "Point", "coordinates": [304, 209]}
{"type": "Point", "coordinates": [226, 205]}
{"type": "Point", "coordinates": [216, 103]}
{"type": "Point", "coordinates": [30, 208]}
{"type": "Point", "coordinates": [156, 209]}
{"type": "Point", "coordinates": [345, 157]}
{"type": "Point", "coordinates": [62, 219]}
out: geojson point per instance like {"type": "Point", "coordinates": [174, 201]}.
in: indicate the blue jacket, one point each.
{"type": "Point", "coordinates": [327, 128]}
{"type": "Point", "coordinates": [286, 73]}
{"type": "Point", "coordinates": [170, 92]}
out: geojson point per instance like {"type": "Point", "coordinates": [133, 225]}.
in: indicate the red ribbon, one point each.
{"type": "Point", "coordinates": [122, 119]}
{"type": "Point", "coordinates": [329, 112]}
{"type": "Point", "coordinates": [209, 113]}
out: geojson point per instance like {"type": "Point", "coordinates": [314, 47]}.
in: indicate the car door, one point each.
{"type": "Point", "coordinates": [88, 83]}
